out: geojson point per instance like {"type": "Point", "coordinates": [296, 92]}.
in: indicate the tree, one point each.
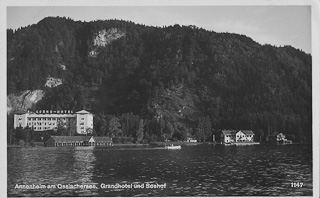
{"type": "Point", "coordinates": [168, 130]}
{"type": "Point", "coordinates": [204, 128]}
{"type": "Point", "coordinates": [62, 128]}
{"type": "Point", "coordinates": [114, 127]}
{"type": "Point", "coordinates": [89, 131]}
{"type": "Point", "coordinates": [72, 126]}
{"type": "Point", "coordinates": [140, 131]}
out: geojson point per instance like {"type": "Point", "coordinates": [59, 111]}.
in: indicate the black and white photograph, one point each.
{"type": "Point", "coordinates": [153, 99]}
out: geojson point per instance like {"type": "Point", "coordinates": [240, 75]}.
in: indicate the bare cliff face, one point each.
{"type": "Point", "coordinates": [23, 101]}
{"type": "Point", "coordinates": [26, 99]}
{"type": "Point", "coordinates": [105, 37]}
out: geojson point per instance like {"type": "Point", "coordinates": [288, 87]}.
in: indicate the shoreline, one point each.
{"type": "Point", "coordinates": [163, 144]}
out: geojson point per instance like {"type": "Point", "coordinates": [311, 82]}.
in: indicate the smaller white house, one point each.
{"type": "Point", "coordinates": [244, 136]}
{"type": "Point", "coordinates": [189, 139]}
{"type": "Point", "coordinates": [228, 136]}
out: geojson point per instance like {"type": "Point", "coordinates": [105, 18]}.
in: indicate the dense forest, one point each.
{"type": "Point", "coordinates": [146, 83]}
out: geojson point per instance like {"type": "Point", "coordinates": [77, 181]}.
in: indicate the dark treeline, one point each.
{"type": "Point", "coordinates": [151, 83]}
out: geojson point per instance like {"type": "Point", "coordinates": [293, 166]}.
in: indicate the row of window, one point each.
{"type": "Point", "coordinates": [44, 128]}
{"type": "Point", "coordinates": [239, 136]}
{"type": "Point", "coordinates": [39, 119]}
{"type": "Point", "coordinates": [46, 119]}
{"type": "Point", "coordinates": [40, 123]}
{"type": "Point", "coordinates": [48, 123]}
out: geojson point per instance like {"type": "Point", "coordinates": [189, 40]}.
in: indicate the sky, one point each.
{"type": "Point", "coordinates": [276, 25]}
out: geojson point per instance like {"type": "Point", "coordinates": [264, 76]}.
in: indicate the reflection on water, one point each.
{"type": "Point", "coordinates": [203, 170]}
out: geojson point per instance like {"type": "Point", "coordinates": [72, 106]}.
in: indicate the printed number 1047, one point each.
{"type": "Point", "coordinates": [296, 184]}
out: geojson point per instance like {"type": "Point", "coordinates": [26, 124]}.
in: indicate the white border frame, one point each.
{"type": "Point", "coordinates": [315, 26]}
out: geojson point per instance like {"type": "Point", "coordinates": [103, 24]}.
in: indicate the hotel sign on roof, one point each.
{"type": "Point", "coordinates": [54, 111]}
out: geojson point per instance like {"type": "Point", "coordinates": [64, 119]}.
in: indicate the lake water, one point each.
{"type": "Point", "coordinates": [202, 170]}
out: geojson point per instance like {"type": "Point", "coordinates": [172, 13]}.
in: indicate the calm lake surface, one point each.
{"type": "Point", "coordinates": [202, 170]}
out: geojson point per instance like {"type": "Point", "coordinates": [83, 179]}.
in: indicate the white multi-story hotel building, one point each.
{"type": "Point", "coordinates": [43, 120]}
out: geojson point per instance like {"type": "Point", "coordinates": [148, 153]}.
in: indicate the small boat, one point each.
{"type": "Point", "coordinates": [172, 147]}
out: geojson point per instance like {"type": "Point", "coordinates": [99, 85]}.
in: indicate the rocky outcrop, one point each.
{"type": "Point", "coordinates": [105, 37]}
{"type": "Point", "coordinates": [53, 82]}
{"type": "Point", "coordinates": [23, 101]}
{"type": "Point", "coordinates": [63, 67]}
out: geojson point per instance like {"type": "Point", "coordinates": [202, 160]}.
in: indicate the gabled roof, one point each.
{"type": "Point", "coordinates": [248, 132]}
{"type": "Point", "coordinates": [228, 132]}
{"type": "Point", "coordinates": [70, 138]}
{"type": "Point", "coordinates": [83, 111]}
{"type": "Point", "coordinates": [102, 139]}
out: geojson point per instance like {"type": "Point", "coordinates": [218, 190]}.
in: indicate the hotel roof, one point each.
{"type": "Point", "coordinates": [83, 111]}
{"type": "Point", "coordinates": [34, 115]}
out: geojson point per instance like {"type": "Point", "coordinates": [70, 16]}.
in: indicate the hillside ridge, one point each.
{"type": "Point", "coordinates": [175, 78]}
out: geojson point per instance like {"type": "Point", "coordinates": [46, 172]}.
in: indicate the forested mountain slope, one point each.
{"type": "Point", "coordinates": [179, 80]}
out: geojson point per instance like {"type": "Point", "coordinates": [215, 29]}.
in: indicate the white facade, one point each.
{"type": "Point", "coordinates": [84, 122]}
{"type": "Point", "coordinates": [244, 136]}
{"type": "Point", "coordinates": [44, 120]}
{"type": "Point", "coordinates": [20, 120]}
{"type": "Point", "coordinates": [227, 136]}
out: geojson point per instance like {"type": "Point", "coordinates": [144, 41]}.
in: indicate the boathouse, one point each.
{"type": "Point", "coordinates": [102, 141]}
{"type": "Point", "coordinates": [58, 141]}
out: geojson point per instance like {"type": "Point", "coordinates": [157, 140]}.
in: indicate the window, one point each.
{"type": "Point", "coordinates": [82, 118]}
